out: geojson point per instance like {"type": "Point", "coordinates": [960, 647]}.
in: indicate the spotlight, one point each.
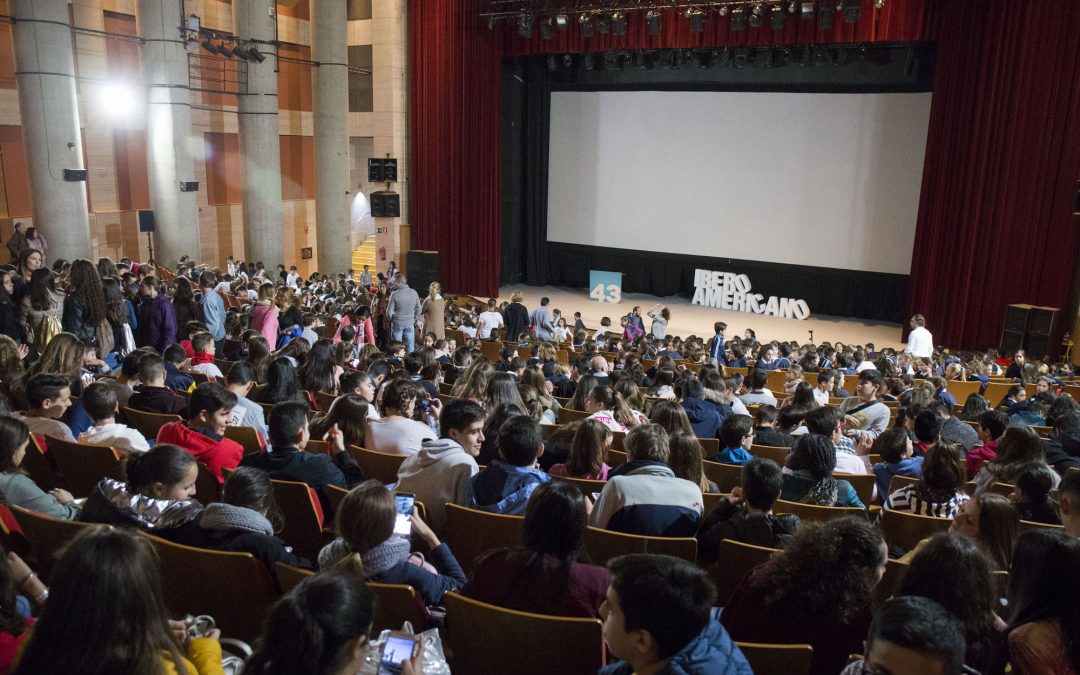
{"type": "Point", "coordinates": [652, 22]}
{"type": "Point", "coordinates": [880, 4]}
{"type": "Point", "coordinates": [618, 23]}
{"type": "Point", "coordinates": [776, 18]}
{"type": "Point", "coordinates": [852, 10]}
{"type": "Point", "coordinates": [525, 25]}
{"type": "Point", "coordinates": [225, 51]}
{"type": "Point", "coordinates": [586, 25]}
{"type": "Point", "coordinates": [738, 19]}
{"type": "Point", "coordinates": [119, 99]}
{"type": "Point", "coordinates": [723, 10]}
{"type": "Point", "coordinates": [562, 22]}
{"type": "Point", "coordinates": [807, 10]}
{"type": "Point", "coordinates": [792, 8]}
{"type": "Point", "coordinates": [255, 54]}
{"type": "Point", "coordinates": [755, 17]}
{"type": "Point", "coordinates": [545, 30]}
{"type": "Point", "coordinates": [206, 44]}
{"type": "Point", "coordinates": [697, 20]}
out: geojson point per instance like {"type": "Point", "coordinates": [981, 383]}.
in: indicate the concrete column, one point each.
{"type": "Point", "coordinates": [260, 143]}
{"type": "Point", "coordinates": [331, 93]}
{"type": "Point", "coordinates": [50, 121]}
{"type": "Point", "coordinates": [169, 139]}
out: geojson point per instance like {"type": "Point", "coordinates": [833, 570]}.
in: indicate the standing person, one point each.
{"type": "Point", "coordinates": [17, 244]}
{"type": "Point", "coordinates": [489, 320]}
{"type": "Point", "coordinates": [36, 241]}
{"type": "Point", "coordinates": [542, 320]}
{"type": "Point", "coordinates": [365, 277]}
{"type": "Point", "coordinates": [516, 317]}
{"type": "Point", "coordinates": [84, 307]}
{"type": "Point", "coordinates": [264, 316]}
{"type": "Point", "coordinates": [403, 311]}
{"type": "Point", "coordinates": [433, 311]}
{"type": "Point", "coordinates": [41, 308]}
{"type": "Point", "coordinates": [659, 321]}
{"type": "Point", "coordinates": [716, 344]}
{"type": "Point", "coordinates": [920, 341]}
{"type": "Point", "coordinates": [634, 317]}
{"type": "Point", "coordinates": [157, 320]}
{"type": "Point", "coordinates": [212, 308]}
{"type": "Point", "coordinates": [29, 260]}
{"type": "Point", "coordinates": [378, 314]}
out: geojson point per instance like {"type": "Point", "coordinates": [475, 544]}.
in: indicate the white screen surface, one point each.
{"type": "Point", "coordinates": [826, 180]}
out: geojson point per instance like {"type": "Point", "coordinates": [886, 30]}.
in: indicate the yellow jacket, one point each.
{"type": "Point", "coordinates": [203, 658]}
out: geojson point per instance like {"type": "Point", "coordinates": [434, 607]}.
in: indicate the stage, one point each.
{"type": "Point", "coordinates": [687, 319]}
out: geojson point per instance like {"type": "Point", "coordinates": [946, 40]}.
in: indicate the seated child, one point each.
{"type": "Point", "coordinates": [100, 402]}
{"type": "Point", "coordinates": [176, 379]}
{"type": "Point", "coordinates": [747, 515]}
{"type": "Point", "coordinates": [1031, 496]}
{"type": "Point", "coordinates": [896, 449]}
{"type": "Point", "coordinates": [506, 484]}
{"type": "Point", "coordinates": [48, 396]}
{"type": "Point", "coordinates": [737, 435]}
{"type": "Point", "coordinates": [202, 361]}
{"type": "Point", "coordinates": [152, 394]}
{"type": "Point", "coordinates": [203, 435]}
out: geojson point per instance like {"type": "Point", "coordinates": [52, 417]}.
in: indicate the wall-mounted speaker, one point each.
{"type": "Point", "coordinates": [189, 186]}
{"type": "Point", "coordinates": [382, 170]}
{"type": "Point", "coordinates": [75, 175]}
{"type": "Point", "coordinates": [385, 204]}
{"type": "Point", "coordinates": [146, 221]}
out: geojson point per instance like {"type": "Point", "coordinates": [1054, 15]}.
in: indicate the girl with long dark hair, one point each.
{"type": "Point", "coordinates": [544, 574]}
{"type": "Point", "coordinates": [84, 307]}
{"type": "Point", "coordinates": [320, 371]}
{"type": "Point", "coordinates": [280, 386]}
{"type": "Point", "coordinates": [1044, 602]}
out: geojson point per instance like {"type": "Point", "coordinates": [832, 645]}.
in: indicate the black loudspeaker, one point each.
{"type": "Point", "coordinates": [1042, 339]}
{"type": "Point", "coordinates": [1014, 329]}
{"type": "Point", "coordinates": [385, 204]}
{"type": "Point", "coordinates": [422, 268]}
{"type": "Point", "coordinates": [389, 170]}
{"type": "Point", "coordinates": [1042, 320]}
{"type": "Point", "coordinates": [146, 221]}
{"type": "Point", "coordinates": [189, 186]}
{"type": "Point", "coordinates": [382, 170]}
{"type": "Point", "coordinates": [75, 175]}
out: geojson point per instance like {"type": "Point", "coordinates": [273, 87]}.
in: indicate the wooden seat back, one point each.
{"type": "Point", "coordinates": [289, 577]}
{"type": "Point", "coordinates": [734, 561]}
{"type": "Point", "coordinates": [891, 580]}
{"type": "Point", "coordinates": [863, 484]}
{"type": "Point", "coordinates": [603, 545]}
{"type": "Point", "coordinates": [207, 485]}
{"type": "Point", "coordinates": [775, 453]}
{"type": "Point", "coordinates": [381, 466]}
{"type": "Point", "coordinates": [471, 533]}
{"type": "Point", "coordinates": [39, 464]}
{"type": "Point", "coordinates": [398, 603]}
{"type": "Point", "coordinates": [526, 644]}
{"type": "Point", "coordinates": [568, 415]}
{"type": "Point", "coordinates": [587, 487]}
{"type": "Point", "coordinates": [811, 513]}
{"type": "Point", "coordinates": [765, 659]}
{"type": "Point", "coordinates": [234, 588]}
{"type": "Point", "coordinates": [323, 400]}
{"type": "Point", "coordinates": [303, 518]}
{"type": "Point", "coordinates": [83, 466]}
{"type": "Point", "coordinates": [904, 530]}
{"type": "Point", "coordinates": [148, 423]}
{"type": "Point", "coordinates": [726, 476]}
{"type": "Point", "coordinates": [46, 536]}
{"type": "Point", "coordinates": [248, 437]}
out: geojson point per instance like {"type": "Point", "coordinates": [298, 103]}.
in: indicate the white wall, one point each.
{"type": "Point", "coordinates": [827, 180]}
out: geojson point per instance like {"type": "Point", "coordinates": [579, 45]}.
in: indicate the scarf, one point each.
{"type": "Point", "coordinates": [822, 493]}
{"type": "Point", "coordinates": [378, 560]}
{"type": "Point", "coordinates": [199, 358]}
{"type": "Point", "coordinates": [226, 517]}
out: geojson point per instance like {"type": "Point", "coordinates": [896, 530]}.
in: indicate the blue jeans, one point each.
{"type": "Point", "coordinates": [406, 334]}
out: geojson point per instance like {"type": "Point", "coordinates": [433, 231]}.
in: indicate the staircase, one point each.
{"type": "Point", "coordinates": [365, 254]}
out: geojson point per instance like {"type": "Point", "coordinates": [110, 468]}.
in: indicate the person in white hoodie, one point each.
{"type": "Point", "coordinates": [440, 472]}
{"type": "Point", "coordinates": [100, 403]}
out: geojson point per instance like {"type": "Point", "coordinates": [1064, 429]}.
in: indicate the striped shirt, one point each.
{"type": "Point", "coordinates": [909, 498]}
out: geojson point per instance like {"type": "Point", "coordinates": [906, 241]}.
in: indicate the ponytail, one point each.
{"type": "Point", "coordinates": [622, 412]}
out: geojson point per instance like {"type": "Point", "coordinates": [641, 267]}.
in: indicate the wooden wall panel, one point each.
{"type": "Point", "coordinates": [223, 178]}
{"type": "Point", "coordinates": [16, 175]}
{"type": "Point", "coordinates": [7, 57]}
{"type": "Point", "coordinates": [294, 79]}
{"type": "Point", "coordinates": [297, 167]}
{"type": "Point", "coordinates": [132, 182]}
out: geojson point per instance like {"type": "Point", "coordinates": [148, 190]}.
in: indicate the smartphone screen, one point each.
{"type": "Point", "coordinates": [404, 503]}
{"type": "Point", "coordinates": [395, 650]}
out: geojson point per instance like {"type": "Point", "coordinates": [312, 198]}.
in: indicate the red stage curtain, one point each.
{"type": "Point", "coordinates": [454, 96]}
{"type": "Point", "coordinates": [995, 221]}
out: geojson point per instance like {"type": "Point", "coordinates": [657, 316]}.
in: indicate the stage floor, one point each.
{"type": "Point", "coordinates": [687, 319]}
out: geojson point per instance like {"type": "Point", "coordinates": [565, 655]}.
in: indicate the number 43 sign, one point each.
{"type": "Point", "coordinates": [605, 286]}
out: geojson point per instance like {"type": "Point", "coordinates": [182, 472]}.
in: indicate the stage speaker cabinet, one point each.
{"type": "Point", "coordinates": [1042, 339]}
{"type": "Point", "coordinates": [375, 170]}
{"type": "Point", "coordinates": [1014, 328]}
{"type": "Point", "coordinates": [385, 204]}
{"type": "Point", "coordinates": [146, 221]}
{"type": "Point", "coordinates": [422, 268]}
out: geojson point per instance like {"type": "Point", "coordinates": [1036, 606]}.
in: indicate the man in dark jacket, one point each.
{"type": "Point", "coordinates": [152, 394]}
{"type": "Point", "coordinates": [288, 427]}
{"type": "Point", "coordinates": [17, 244]}
{"type": "Point", "coordinates": [955, 431]}
{"type": "Point", "coordinates": [657, 619]}
{"type": "Point", "coordinates": [704, 418]}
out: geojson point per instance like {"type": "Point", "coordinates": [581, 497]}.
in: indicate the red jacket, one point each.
{"type": "Point", "coordinates": [978, 455]}
{"type": "Point", "coordinates": [217, 455]}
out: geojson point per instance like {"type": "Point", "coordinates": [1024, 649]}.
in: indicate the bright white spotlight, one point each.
{"type": "Point", "coordinates": [119, 100]}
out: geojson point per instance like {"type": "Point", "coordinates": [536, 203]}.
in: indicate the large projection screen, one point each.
{"type": "Point", "coordinates": [827, 180]}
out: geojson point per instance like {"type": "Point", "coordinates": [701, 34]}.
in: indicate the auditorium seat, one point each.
{"type": "Point", "coordinates": [568, 415]}
{"type": "Point", "coordinates": [83, 466]}
{"type": "Point", "coordinates": [603, 545]}
{"type": "Point", "coordinates": [726, 476]}
{"type": "Point", "coordinates": [483, 638]}
{"type": "Point", "coordinates": [289, 577]}
{"type": "Point", "coordinates": [39, 465]}
{"type": "Point", "coordinates": [618, 438]}
{"type": "Point", "coordinates": [863, 483]}
{"type": "Point", "coordinates": [710, 447]}
{"type": "Point", "coordinates": [1029, 525]}
{"type": "Point", "coordinates": [381, 466]}
{"type": "Point", "coordinates": [471, 533]}
{"type": "Point", "coordinates": [248, 437]}
{"type": "Point", "coordinates": [890, 581]}
{"type": "Point", "coordinates": [734, 561]}
{"type": "Point", "coordinates": [616, 458]}
{"type": "Point", "coordinates": [234, 588]}
{"type": "Point", "coordinates": [811, 513]}
{"type": "Point", "coordinates": [776, 454]}
{"type": "Point", "coordinates": [147, 423]}
{"type": "Point", "coordinates": [303, 518]}
{"type": "Point", "coordinates": [903, 530]}
{"type": "Point", "coordinates": [207, 485]}
{"type": "Point", "coordinates": [587, 487]}
{"type": "Point", "coordinates": [323, 400]}
{"type": "Point", "coordinates": [710, 500]}
{"type": "Point", "coordinates": [768, 659]}
{"type": "Point", "coordinates": [395, 604]}
{"type": "Point", "coordinates": [46, 536]}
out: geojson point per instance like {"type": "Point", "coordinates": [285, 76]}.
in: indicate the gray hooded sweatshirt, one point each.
{"type": "Point", "coordinates": [437, 475]}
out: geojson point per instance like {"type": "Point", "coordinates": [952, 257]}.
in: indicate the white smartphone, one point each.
{"type": "Point", "coordinates": [398, 648]}
{"type": "Point", "coordinates": [404, 503]}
